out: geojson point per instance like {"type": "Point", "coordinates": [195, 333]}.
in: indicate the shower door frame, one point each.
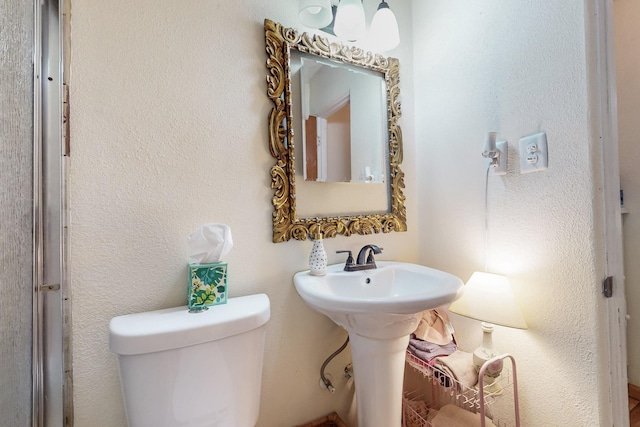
{"type": "Point", "coordinates": [52, 386]}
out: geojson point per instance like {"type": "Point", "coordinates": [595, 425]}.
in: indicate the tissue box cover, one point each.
{"type": "Point", "coordinates": [207, 285]}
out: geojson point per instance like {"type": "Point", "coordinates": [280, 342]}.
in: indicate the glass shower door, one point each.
{"type": "Point", "coordinates": [16, 211]}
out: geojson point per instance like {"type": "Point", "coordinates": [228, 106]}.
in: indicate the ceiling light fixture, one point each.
{"type": "Point", "coordinates": [315, 13]}
{"type": "Point", "coordinates": [385, 34]}
{"type": "Point", "coordinates": [346, 20]}
{"type": "Point", "coordinates": [350, 23]}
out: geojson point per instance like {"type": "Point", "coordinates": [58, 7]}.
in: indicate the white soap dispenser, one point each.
{"type": "Point", "coordinates": [318, 256]}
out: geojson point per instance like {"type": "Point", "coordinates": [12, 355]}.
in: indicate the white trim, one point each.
{"type": "Point", "coordinates": [608, 132]}
{"type": "Point", "coordinates": [321, 144]}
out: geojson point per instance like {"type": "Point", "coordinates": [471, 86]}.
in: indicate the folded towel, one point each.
{"type": "Point", "coordinates": [428, 351]}
{"type": "Point", "coordinates": [434, 326]}
{"type": "Point", "coordinates": [453, 416]}
{"type": "Point", "coordinates": [457, 366]}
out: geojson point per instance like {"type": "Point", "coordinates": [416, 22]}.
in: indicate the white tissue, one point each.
{"type": "Point", "coordinates": [209, 243]}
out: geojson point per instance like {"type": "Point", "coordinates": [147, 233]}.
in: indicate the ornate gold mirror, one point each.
{"type": "Point", "coordinates": [366, 195]}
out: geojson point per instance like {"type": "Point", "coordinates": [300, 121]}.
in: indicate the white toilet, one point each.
{"type": "Point", "coordinates": [193, 369]}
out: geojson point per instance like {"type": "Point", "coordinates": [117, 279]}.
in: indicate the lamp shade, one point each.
{"type": "Point", "coordinates": [350, 23]}
{"type": "Point", "coordinates": [384, 29]}
{"type": "Point", "coordinates": [488, 297]}
{"type": "Point", "coordinates": [315, 13]}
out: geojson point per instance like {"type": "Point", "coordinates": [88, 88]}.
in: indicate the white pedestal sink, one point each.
{"type": "Point", "coordinates": [379, 308]}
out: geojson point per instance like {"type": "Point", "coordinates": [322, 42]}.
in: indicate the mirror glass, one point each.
{"type": "Point", "coordinates": [335, 138]}
{"type": "Point", "coordinates": [344, 120]}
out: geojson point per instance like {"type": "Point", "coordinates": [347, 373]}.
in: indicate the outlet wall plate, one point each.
{"type": "Point", "coordinates": [534, 155]}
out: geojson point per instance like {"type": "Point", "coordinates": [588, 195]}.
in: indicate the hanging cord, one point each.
{"type": "Point", "coordinates": [325, 380]}
{"type": "Point", "coordinates": [486, 219]}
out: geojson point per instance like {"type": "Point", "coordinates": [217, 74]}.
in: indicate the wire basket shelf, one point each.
{"type": "Point", "coordinates": [421, 403]}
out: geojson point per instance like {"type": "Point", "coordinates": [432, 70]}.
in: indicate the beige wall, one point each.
{"type": "Point", "coordinates": [517, 68]}
{"type": "Point", "coordinates": [339, 146]}
{"type": "Point", "coordinates": [169, 131]}
{"type": "Point", "coordinates": [627, 14]}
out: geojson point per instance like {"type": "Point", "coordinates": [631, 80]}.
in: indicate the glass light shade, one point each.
{"type": "Point", "coordinates": [315, 13]}
{"type": "Point", "coordinates": [350, 22]}
{"type": "Point", "coordinates": [488, 297]}
{"type": "Point", "coordinates": [384, 29]}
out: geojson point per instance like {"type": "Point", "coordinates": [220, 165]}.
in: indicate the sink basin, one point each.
{"type": "Point", "coordinates": [379, 308]}
{"type": "Point", "coordinates": [393, 287]}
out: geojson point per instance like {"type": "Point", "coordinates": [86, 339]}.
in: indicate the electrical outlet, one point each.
{"type": "Point", "coordinates": [534, 155]}
{"type": "Point", "coordinates": [501, 168]}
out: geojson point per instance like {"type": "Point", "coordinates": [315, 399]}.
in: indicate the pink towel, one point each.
{"type": "Point", "coordinates": [434, 326]}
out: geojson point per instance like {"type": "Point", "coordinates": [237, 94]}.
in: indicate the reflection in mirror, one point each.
{"type": "Point", "coordinates": [310, 194]}
{"type": "Point", "coordinates": [344, 120]}
{"type": "Point", "coordinates": [338, 195]}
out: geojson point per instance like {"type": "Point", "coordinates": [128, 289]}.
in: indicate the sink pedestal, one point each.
{"type": "Point", "coordinates": [378, 369]}
{"type": "Point", "coordinates": [378, 345]}
{"type": "Point", "coordinates": [379, 308]}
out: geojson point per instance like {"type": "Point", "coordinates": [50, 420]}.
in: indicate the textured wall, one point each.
{"type": "Point", "coordinates": [16, 189]}
{"type": "Point", "coordinates": [169, 131]}
{"type": "Point", "coordinates": [517, 68]}
{"type": "Point", "coordinates": [627, 14]}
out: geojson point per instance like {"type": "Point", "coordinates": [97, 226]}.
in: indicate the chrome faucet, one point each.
{"type": "Point", "coordinates": [364, 261]}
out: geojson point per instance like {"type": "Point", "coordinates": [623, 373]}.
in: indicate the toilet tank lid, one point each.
{"type": "Point", "coordinates": [173, 328]}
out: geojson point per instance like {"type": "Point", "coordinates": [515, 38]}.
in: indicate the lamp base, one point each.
{"type": "Point", "coordinates": [492, 385]}
{"type": "Point", "coordinates": [484, 353]}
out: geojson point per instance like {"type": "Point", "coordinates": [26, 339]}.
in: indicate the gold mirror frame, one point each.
{"type": "Point", "coordinates": [286, 224]}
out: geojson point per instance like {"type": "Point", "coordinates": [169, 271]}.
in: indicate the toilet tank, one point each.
{"type": "Point", "coordinates": [192, 369]}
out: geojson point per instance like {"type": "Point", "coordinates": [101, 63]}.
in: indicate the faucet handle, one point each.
{"type": "Point", "coordinates": [349, 258]}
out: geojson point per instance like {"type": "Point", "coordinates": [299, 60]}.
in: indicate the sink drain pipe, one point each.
{"type": "Point", "coordinates": [325, 380]}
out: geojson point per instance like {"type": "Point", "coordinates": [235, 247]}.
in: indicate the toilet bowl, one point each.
{"type": "Point", "coordinates": [192, 369]}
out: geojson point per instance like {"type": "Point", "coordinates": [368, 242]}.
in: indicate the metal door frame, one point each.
{"type": "Point", "coordinates": [52, 387]}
